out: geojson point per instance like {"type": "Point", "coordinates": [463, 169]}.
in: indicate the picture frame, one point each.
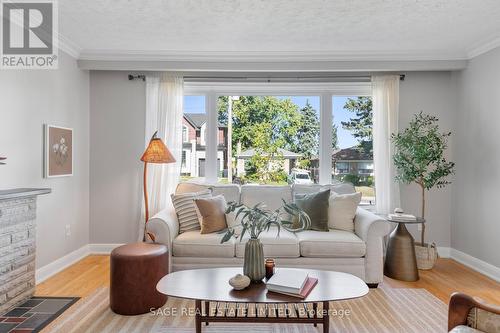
{"type": "Point", "coordinates": [58, 151]}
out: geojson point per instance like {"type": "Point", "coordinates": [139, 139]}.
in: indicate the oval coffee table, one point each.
{"type": "Point", "coordinates": [211, 285]}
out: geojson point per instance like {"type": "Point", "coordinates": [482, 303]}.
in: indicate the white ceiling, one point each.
{"type": "Point", "coordinates": [340, 29]}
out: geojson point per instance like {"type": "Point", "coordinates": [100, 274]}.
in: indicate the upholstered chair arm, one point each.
{"type": "Point", "coordinates": [165, 228]}
{"type": "Point", "coordinates": [372, 229]}
{"type": "Point", "coordinates": [460, 306]}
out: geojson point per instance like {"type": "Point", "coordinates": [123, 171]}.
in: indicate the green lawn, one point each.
{"type": "Point", "coordinates": [367, 191]}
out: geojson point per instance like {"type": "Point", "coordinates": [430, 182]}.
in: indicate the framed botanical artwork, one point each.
{"type": "Point", "coordinates": [58, 151]}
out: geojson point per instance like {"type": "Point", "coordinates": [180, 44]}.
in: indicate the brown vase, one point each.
{"type": "Point", "coordinates": [254, 266]}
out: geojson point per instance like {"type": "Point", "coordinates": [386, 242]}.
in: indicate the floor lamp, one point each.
{"type": "Point", "coordinates": [156, 152]}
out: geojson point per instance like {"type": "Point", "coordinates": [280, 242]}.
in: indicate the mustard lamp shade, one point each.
{"type": "Point", "coordinates": [157, 152]}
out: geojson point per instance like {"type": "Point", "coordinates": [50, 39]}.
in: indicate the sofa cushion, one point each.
{"type": "Point", "coordinates": [272, 196]}
{"type": "Point", "coordinates": [340, 188]}
{"type": "Point", "coordinates": [284, 246]}
{"type": "Point", "coordinates": [233, 221]}
{"type": "Point", "coordinates": [464, 329]}
{"type": "Point", "coordinates": [211, 214]}
{"type": "Point", "coordinates": [332, 244]}
{"type": "Point", "coordinates": [315, 205]}
{"type": "Point", "coordinates": [231, 192]}
{"type": "Point", "coordinates": [185, 208]}
{"type": "Point", "coordinates": [342, 210]}
{"type": "Point", "coordinates": [194, 244]}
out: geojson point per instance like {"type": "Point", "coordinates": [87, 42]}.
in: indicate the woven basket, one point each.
{"type": "Point", "coordinates": [426, 255]}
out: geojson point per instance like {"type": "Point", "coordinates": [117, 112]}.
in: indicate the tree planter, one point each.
{"type": "Point", "coordinates": [420, 158]}
{"type": "Point", "coordinates": [254, 266]}
{"type": "Point", "coordinates": [426, 255]}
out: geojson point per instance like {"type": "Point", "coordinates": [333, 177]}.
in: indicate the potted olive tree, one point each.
{"type": "Point", "coordinates": [419, 158]}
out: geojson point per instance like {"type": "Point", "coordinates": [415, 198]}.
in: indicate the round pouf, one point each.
{"type": "Point", "coordinates": [135, 270]}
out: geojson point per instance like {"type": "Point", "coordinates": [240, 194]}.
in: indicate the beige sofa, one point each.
{"type": "Point", "coordinates": [359, 253]}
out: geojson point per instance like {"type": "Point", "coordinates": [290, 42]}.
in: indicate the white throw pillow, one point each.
{"type": "Point", "coordinates": [234, 222]}
{"type": "Point", "coordinates": [185, 208]}
{"type": "Point", "coordinates": [342, 210]}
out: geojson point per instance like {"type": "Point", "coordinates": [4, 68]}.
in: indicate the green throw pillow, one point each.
{"type": "Point", "coordinates": [316, 206]}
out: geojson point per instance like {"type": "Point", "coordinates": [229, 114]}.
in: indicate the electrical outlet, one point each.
{"type": "Point", "coordinates": [68, 230]}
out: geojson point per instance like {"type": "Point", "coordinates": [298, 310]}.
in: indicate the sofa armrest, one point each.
{"type": "Point", "coordinates": [372, 229]}
{"type": "Point", "coordinates": [165, 228]}
{"type": "Point", "coordinates": [368, 225]}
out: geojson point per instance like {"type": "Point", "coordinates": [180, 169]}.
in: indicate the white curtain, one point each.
{"type": "Point", "coordinates": [164, 97]}
{"type": "Point", "coordinates": [385, 95]}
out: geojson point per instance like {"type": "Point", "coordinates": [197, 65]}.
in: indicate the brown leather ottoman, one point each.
{"type": "Point", "coordinates": [135, 270]}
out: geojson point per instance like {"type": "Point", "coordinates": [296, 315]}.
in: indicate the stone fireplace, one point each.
{"type": "Point", "coordinates": [17, 245]}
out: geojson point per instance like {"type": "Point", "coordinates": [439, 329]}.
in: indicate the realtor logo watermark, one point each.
{"type": "Point", "coordinates": [29, 34]}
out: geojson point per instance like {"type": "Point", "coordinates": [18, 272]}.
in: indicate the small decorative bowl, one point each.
{"type": "Point", "coordinates": [239, 282]}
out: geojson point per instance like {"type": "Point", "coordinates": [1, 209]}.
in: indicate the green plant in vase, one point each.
{"type": "Point", "coordinates": [419, 156]}
{"type": "Point", "coordinates": [256, 220]}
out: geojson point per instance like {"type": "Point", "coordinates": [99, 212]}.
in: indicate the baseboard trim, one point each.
{"type": "Point", "coordinates": [45, 272]}
{"type": "Point", "coordinates": [476, 264]}
{"type": "Point", "coordinates": [102, 248]}
{"type": "Point", "coordinates": [444, 252]}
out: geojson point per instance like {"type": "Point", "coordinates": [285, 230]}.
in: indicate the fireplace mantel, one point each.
{"type": "Point", "coordinates": [22, 192]}
{"type": "Point", "coordinates": [17, 244]}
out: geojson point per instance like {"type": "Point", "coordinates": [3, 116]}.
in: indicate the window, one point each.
{"type": "Point", "coordinates": [248, 132]}
{"type": "Point", "coordinates": [183, 159]}
{"type": "Point", "coordinates": [185, 133]}
{"type": "Point", "coordinates": [352, 158]}
{"type": "Point", "coordinates": [268, 139]}
{"type": "Point", "coordinates": [193, 147]}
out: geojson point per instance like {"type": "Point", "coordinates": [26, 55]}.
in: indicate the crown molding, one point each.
{"type": "Point", "coordinates": [68, 46]}
{"type": "Point", "coordinates": [169, 57]}
{"type": "Point", "coordinates": [482, 48]}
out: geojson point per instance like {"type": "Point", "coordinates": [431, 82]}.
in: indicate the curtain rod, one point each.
{"type": "Point", "coordinates": [265, 79]}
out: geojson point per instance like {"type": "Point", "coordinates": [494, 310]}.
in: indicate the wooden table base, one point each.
{"type": "Point", "coordinates": [203, 315]}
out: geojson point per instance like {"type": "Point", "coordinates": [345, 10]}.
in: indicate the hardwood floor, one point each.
{"type": "Point", "coordinates": [448, 276]}
{"type": "Point", "coordinates": [80, 279]}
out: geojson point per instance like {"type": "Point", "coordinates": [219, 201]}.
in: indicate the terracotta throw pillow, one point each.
{"type": "Point", "coordinates": [316, 206]}
{"type": "Point", "coordinates": [211, 214]}
{"type": "Point", "coordinates": [342, 211]}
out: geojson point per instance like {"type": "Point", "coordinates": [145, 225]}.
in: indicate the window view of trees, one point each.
{"type": "Point", "coordinates": [273, 138]}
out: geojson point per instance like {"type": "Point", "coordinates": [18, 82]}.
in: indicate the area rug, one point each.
{"type": "Point", "coordinates": [34, 314]}
{"type": "Point", "coordinates": [382, 310]}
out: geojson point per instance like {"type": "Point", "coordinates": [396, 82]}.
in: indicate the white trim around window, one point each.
{"type": "Point", "coordinates": [325, 90]}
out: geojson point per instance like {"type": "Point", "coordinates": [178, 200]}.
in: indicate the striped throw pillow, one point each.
{"type": "Point", "coordinates": [185, 208]}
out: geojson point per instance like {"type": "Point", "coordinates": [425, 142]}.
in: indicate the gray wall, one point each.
{"type": "Point", "coordinates": [117, 141]}
{"type": "Point", "coordinates": [29, 99]}
{"type": "Point", "coordinates": [476, 227]}
{"type": "Point", "coordinates": [433, 93]}
{"type": "Point", "coordinates": [117, 122]}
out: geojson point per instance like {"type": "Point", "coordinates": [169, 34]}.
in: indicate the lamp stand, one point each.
{"type": "Point", "coordinates": [146, 206]}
